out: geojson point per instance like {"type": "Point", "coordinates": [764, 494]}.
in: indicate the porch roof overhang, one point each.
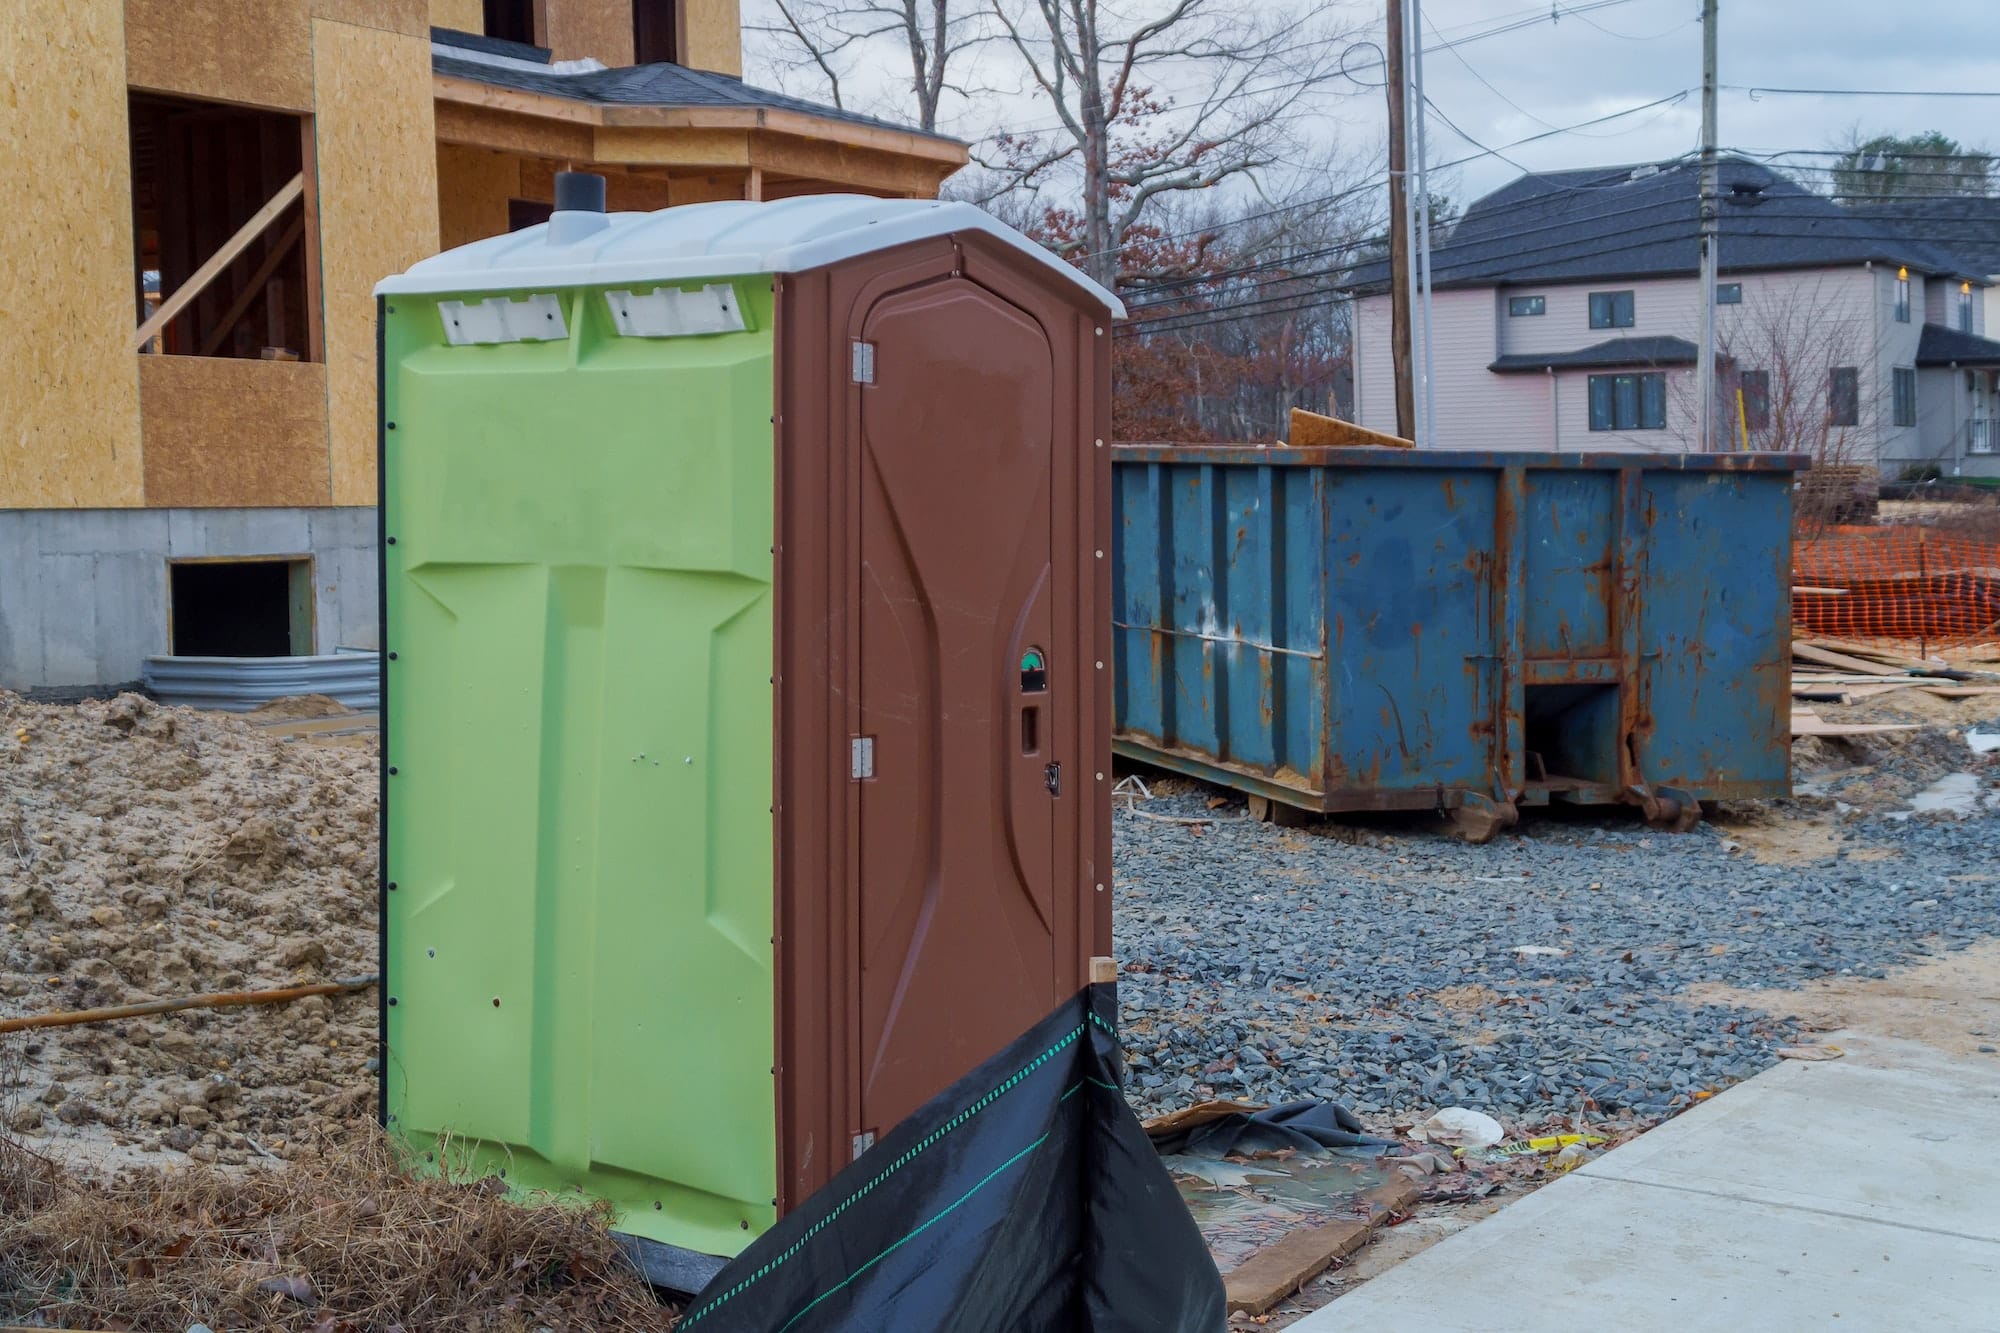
{"type": "Point", "coordinates": [1941, 346]}
{"type": "Point", "coordinates": [1612, 353]}
{"type": "Point", "coordinates": [479, 107]}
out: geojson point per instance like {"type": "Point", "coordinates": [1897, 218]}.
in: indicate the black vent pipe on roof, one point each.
{"type": "Point", "coordinates": [579, 210]}
{"type": "Point", "coordinates": [579, 192]}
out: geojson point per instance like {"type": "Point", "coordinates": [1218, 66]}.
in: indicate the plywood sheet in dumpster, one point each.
{"type": "Point", "coordinates": [1715, 626]}
{"type": "Point", "coordinates": [1414, 627]}
{"type": "Point", "coordinates": [958, 719]}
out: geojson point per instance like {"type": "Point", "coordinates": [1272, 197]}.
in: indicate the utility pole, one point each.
{"type": "Point", "coordinates": [1711, 228]}
{"type": "Point", "coordinates": [1426, 404]}
{"type": "Point", "coordinates": [1401, 307]}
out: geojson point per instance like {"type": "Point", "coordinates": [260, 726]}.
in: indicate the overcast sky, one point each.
{"type": "Point", "coordinates": [1586, 65]}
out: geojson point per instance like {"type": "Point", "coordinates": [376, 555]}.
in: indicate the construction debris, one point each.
{"type": "Point", "coordinates": [1838, 671]}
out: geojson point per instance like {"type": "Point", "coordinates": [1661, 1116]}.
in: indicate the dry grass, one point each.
{"type": "Point", "coordinates": [342, 1240]}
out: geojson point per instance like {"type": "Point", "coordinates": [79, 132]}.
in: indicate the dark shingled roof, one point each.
{"type": "Point", "coordinates": [1969, 227]}
{"type": "Point", "coordinates": [1940, 346]}
{"type": "Point", "coordinates": [1618, 223]}
{"type": "Point", "coordinates": [633, 85]}
{"type": "Point", "coordinates": [1667, 351]}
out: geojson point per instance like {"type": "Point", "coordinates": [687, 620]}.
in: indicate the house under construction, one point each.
{"type": "Point", "coordinates": [188, 385]}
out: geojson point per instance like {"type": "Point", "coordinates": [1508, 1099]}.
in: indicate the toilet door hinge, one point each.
{"type": "Point", "coordinates": [861, 757]}
{"type": "Point", "coordinates": [864, 362]}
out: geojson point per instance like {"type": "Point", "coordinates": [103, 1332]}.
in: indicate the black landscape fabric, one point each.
{"type": "Point", "coordinates": [1305, 1127]}
{"type": "Point", "coordinates": [1023, 1199]}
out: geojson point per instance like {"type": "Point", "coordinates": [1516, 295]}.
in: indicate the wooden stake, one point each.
{"type": "Point", "coordinates": [1103, 971]}
{"type": "Point", "coordinates": [214, 1000]}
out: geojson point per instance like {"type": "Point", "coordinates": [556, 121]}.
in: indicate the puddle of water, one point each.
{"type": "Point", "coordinates": [1243, 1206]}
{"type": "Point", "coordinates": [1952, 794]}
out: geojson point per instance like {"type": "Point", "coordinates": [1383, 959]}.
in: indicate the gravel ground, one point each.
{"type": "Point", "coordinates": [1399, 970]}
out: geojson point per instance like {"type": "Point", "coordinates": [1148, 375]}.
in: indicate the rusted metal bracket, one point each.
{"type": "Point", "coordinates": [1479, 817]}
{"type": "Point", "coordinates": [1666, 809]}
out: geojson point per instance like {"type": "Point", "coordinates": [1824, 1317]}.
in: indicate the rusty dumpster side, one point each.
{"type": "Point", "coordinates": [1376, 629]}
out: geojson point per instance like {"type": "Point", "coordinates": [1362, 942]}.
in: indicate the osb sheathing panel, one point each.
{"type": "Point", "coordinates": [625, 193]}
{"type": "Point", "coordinates": [412, 17]}
{"type": "Point", "coordinates": [461, 15]}
{"type": "Point", "coordinates": [712, 35]}
{"type": "Point", "coordinates": [842, 166]}
{"type": "Point", "coordinates": [69, 385]}
{"type": "Point", "coordinates": [226, 432]}
{"type": "Point", "coordinates": [486, 127]}
{"type": "Point", "coordinates": [255, 52]}
{"type": "Point", "coordinates": [378, 215]}
{"type": "Point", "coordinates": [672, 146]}
{"type": "Point", "coordinates": [706, 189]}
{"type": "Point", "coordinates": [599, 28]}
{"type": "Point", "coordinates": [473, 189]}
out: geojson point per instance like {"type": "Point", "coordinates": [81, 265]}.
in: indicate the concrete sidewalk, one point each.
{"type": "Point", "coordinates": [1860, 1193]}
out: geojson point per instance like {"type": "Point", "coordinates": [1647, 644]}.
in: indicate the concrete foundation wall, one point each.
{"type": "Point", "coordinates": [83, 593]}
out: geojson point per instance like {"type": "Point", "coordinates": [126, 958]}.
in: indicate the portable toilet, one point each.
{"type": "Point", "coordinates": [746, 698]}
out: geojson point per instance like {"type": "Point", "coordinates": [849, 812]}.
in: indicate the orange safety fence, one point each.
{"type": "Point", "coordinates": [1916, 584]}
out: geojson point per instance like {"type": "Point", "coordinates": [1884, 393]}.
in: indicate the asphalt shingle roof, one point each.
{"type": "Point", "coordinates": [1635, 222]}
{"type": "Point", "coordinates": [1940, 346]}
{"type": "Point", "coordinates": [1664, 351]}
{"type": "Point", "coordinates": [1966, 225]}
{"type": "Point", "coordinates": [633, 85]}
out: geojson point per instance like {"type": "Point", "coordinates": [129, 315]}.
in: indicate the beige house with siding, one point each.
{"type": "Point", "coordinates": [1566, 308]}
{"type": "Point", "coordinates": [206, 192]}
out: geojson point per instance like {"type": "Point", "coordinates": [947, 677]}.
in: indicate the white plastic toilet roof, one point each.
{"type": "Point", "coordinates": [716, 240]}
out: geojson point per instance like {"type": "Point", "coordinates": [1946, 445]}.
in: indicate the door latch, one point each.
{"type": "Point", "coordinates": [1052, 778]}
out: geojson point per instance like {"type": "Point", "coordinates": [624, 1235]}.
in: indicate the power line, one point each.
{"type": "Point", "coordinates": [1860, 92]}
{"type": "Point", "coordinates": [1173, 320]}
{"type": "Point", "coordinates": [1781, 209]}
{"type": "Point", "coordinates": [1852, 152]}
{"type": "Point", "coordinates": [1376, 185]}
{"type": "Point", "coordinates": [1538, 17]}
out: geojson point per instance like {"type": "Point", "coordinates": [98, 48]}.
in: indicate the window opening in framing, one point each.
{"type": "Point", "coordinates": [656, 32]}
{"type": "Point", "coordinates": [510, 20]}
{"type": "Point", "coordinates": [224, 243]}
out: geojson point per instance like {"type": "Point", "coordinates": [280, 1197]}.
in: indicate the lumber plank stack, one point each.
{"type": "Point", "coordinates": [1838, 671]}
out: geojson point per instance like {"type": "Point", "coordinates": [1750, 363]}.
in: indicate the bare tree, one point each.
{"type": "Point", "coordinates": [1155, 98]}
{"type": "Point", "coordinates": [833, 38]}
{"type": "Point", "coordinates": [1793, 379]}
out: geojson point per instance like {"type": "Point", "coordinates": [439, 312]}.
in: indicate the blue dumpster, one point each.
{"type": "Point", "coordinates": [1470, 632]}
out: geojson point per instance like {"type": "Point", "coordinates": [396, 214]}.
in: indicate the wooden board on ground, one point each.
{"type": "Point", "coordinates": [1806, 652]}
{"type": "Point", "coordinates": [1961, 691]}
{"type": "Point", "coordinates": [1311, 430]}
{"type": "Point", "coordinates": [1278, 1270]}
{"type": "Point", "coordinates": [1887, 687]}
{"type": "Point", "coordinates": [1812, 724]}
{"type": "Point", "coordinates": [1863, 650]}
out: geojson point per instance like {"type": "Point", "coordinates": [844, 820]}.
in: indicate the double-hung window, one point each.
{"type": "Point", "coordinates": [1629, 402]}
{"type": "Point", "coordinates": [1611, 310]}
{"type": "Point", "coordinates": [1903, 393]}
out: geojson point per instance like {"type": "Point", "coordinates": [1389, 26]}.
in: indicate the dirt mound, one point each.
{"type": "Point", "coordinates": [301, 706]}
{"type": "Point", "coordinates": [150, 852]}
{"type": "Point", "coordinates": [344, 1239]}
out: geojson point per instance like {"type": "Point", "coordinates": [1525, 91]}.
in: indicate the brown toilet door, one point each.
{"type": "Point", "coordinates": [960, 727]}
